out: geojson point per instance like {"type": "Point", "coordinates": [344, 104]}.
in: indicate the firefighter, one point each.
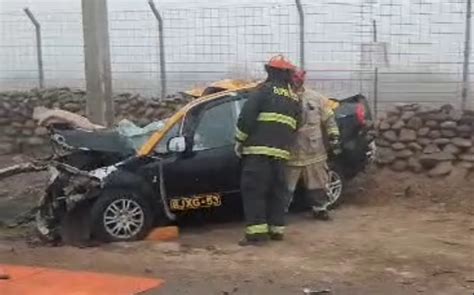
{"type": "Point", "coordinates": [265, 130]}
{"type": "Point", "coordinates": [309, 155]}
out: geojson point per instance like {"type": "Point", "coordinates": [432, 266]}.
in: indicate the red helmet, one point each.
{"type": "Point", "coordinates": [280, 62]}
{"type": "Point", "coordinates": [299, 78]}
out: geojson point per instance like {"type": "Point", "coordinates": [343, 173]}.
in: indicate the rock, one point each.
{"type": "Point", "coordinates": [393, 111]}
{"type": "Point", "coordinates": [467, 165]}
{"type": "Point", "coordinates": [4, 121]}
{"type": "Point", "coordinates": [382, 142]}
{"type": "Point", "coordinates": [431, 149]}
{"type": "Point", "coordinates": [17, 125]}
{"type": "Point", "coordinates": [439, 117]}
{"type": "Point", "coordinates": [455, 115]}
{"type": "Point", "coordinates": [6, 148]}
{"type": "Point", "coordinates": [449, 125]}
{"type": "Point", "coordinates": [399, 165]}
{"type": "Point", "coordinates": [424, 141]}
{"type": "Point", "coordinates": [124, 106]}
{"type": "Point", "coordinates": [467, 119]}
{"type": "Point", "coordinates": [452, 149]}
{"type": "Point", "coordinates": [446, 108]}
{"type": "Point", "coordinates": [41, 131]}
{"type": "Point", "coordinates": [398, 146]}
{"type": "Point", "coordinates": [143, 122]}
{"type": "Point", "coordinates": [9, 130]}
{"type": "Point", "coordinates": [464, 128]}
{"type": "Point", "coordinates": [458, 173]}
{"type": "Point", "coordinates": [390, 135]}
{"type": "Point", "coordinates": [407, 135]}
{"type": "Point", "coordinates": [426, 109]}
{"type": "Point", "coordinates": [30, 124]}
{"type": "Point", "coordinates": [415, 165]}
{"type": "Point", "coordinates": [434, 134]}
{"type": "Point", "coordinates": [150, 113]}
{"type": "Point", "coordinates": [407, 115]}
{"type": "Point", "coordinates": [429, 161]}
{"type": "Point", "coordinates": [35, 141]}
{"type": "Point", "coordinates": [72, 107]}
{"type": "Point", "coordinates": [385, 156]}
{"type": "Point", "coordinates": [398, 125]}
{"type": "Point", "coordinates": [415, 123]}
{"type": "Point", "coordinates": [26, 132]}
{"type": "Point", "coordinates": [403, 154]}
{"type": "Point", "coordinates": [392, 119]}
{"type": "Point", "coordinates": [384, 126]}
{"type": "Point", "coordinates": [448, 133]}
{"type": "Point", "coordinates": [442, 168]}
{"type": "Point", "coordinates": [467, 157]}
{"type": "Point", "coordinates": [415, 146]}
{"type": "Point", "coordinates": [462, 142]}
{"type": "Point", "coordinates": [441, 141]}
{"type": "Point", "coordinates": [431, 124]}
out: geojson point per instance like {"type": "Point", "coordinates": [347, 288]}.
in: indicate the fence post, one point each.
{"type": "Point", "coordinates": [161, 45]}
{"type": "Point", "coordinates": [376, 72]}
{"type": "Point", "coordinates": [99, 106]}
{"type": "Point", "coordinates": [467, 54]}
{"type": "Point", "coordinates": [39, 51]}
{"type": "Point", "coordinates": [302, 33]}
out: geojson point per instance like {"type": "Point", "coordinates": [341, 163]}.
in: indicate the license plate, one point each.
{"type": "Point", "coordinates": [196, 202]}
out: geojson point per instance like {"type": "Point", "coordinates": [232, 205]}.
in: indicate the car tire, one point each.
{"type": "Point", "coordinates": [121, 215]}
{"type": "Point", "coordinates": [336, 187]}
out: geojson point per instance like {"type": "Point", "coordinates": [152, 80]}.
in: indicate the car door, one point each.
{"type": "Point", "coordinates": [209, 166]}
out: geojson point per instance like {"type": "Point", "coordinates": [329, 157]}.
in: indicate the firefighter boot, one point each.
{"type": "Point", "coordinates": [254, 240]}
{"type": "Point", "coordinates": [321, 214]}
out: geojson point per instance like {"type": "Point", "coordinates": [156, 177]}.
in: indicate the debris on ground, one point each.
{"type": "Point", "coordinates": [307, 291]}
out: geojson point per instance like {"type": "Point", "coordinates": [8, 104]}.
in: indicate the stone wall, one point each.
{"type": "Point", "coordinates": [20, 133]}
{"type": "Point", "coordinates": [426, 140]}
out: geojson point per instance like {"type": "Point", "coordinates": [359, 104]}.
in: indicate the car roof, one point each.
{"type": "Point", "coordinates": [156, 138]}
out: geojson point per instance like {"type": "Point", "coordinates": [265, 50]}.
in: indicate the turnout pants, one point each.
{"type": "Point", "coordinates": [263, 187]}
{"type": "Point", "coordinates": [315, 179]}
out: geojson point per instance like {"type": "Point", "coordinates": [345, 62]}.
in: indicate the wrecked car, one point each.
{"type": "Point", "coordinates": [119, 192]}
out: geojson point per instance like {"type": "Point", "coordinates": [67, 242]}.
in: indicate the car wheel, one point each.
{"type": "Point", "coordinates": [335, 188]}
{"type": "Point", "coordinates": [121, 215]}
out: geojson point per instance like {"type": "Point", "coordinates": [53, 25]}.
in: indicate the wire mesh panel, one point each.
{"type": "Point", "coordinates": [18, 66]}
{"type": "Point", "coordinates": [134, 51]}
{"type": "Point", "coordinates": [201, 44]}
{"type": "Point", "coordinates": [62, 50]}
{"type": "Point", "coordinates": [417, 46]}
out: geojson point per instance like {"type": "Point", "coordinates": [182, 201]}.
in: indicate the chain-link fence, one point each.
{"type": "Point", "coordinates": [398, 51]}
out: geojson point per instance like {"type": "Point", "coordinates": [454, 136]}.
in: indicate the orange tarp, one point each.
{"type": "Point", "coordinates": [26, 280]}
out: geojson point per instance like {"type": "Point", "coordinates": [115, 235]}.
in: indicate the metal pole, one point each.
{"type": "Point", "coordinates": [467, 54]}
{"type": "Point", "coordinates": [161, 45]}
{"type": "Point", "coordinates": [99, 107]}
{"type": "Point", "coordinates": [302, 33]}
{"type": "Point", "coordinates": [39, 51]}
{"type": "Point", "coordinates": [376, 73]}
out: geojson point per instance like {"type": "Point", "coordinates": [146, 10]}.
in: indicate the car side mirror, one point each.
{"type": "Point", "coordinates": [177, 144]}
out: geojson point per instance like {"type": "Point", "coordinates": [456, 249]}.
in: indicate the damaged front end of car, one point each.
{"type": "Point", "coordinates": [69, 189]}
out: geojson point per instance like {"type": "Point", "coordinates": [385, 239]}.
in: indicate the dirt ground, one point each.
{"type": "Point", "coordinates": [395, 234]}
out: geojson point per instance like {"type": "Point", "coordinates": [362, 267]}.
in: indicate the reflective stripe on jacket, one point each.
{"type": "Point", "coordinates": [268, 121]}
{"type": "Point", "coordinates": [309, 146]}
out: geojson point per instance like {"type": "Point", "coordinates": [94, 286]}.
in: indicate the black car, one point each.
{"type": "Point", "coordinates": [188, 165]}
